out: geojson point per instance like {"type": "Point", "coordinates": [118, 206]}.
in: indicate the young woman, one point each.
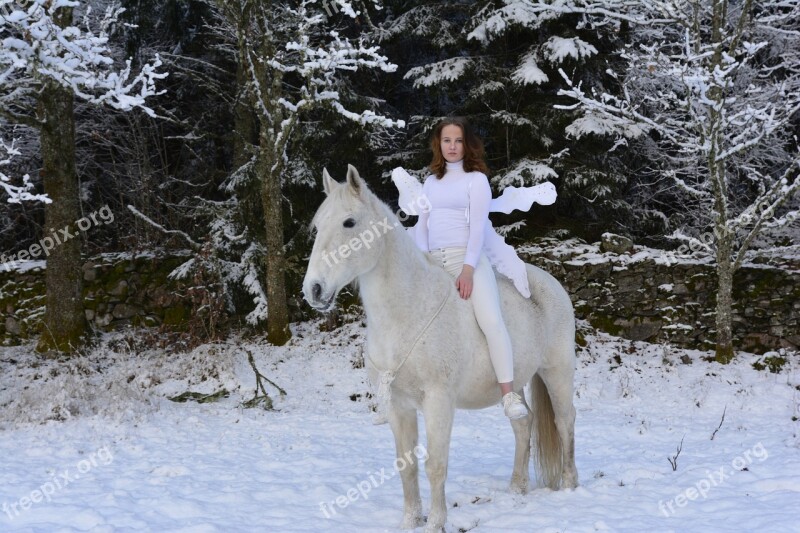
{"type": "Point", "coordinates": [452, 231]}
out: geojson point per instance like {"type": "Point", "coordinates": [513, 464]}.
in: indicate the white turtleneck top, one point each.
{"type": "Point", "coordinates": [459, 211]}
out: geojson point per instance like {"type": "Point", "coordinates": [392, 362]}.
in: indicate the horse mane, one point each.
{"type": "Point", "coordinates": [382, 206]}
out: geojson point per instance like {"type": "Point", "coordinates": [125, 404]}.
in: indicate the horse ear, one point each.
{"type": "Point", "coordinates": [357, 185]}
{"type": "Point", "coordinates": [328, 182]}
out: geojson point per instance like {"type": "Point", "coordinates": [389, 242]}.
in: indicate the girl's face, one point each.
{"type": "Point", "coordinates": [452, 143]}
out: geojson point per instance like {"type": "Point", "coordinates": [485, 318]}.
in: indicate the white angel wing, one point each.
{"type": "Point", "coordinates": [522, 198]}
{"type": "Point", "coordinates": [412, 200]}
{"type": "Point", "coordinates": [505, 259]}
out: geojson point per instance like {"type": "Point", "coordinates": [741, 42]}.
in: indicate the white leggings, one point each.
{"type": "Point", "coordinates": [486, 304]}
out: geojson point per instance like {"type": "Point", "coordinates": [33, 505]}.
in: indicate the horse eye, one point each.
{"type": "Point", "coordinates": [349, 223]}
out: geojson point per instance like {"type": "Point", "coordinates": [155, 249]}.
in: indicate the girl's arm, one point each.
{"type": "Point", "coordinates": [480, 198]}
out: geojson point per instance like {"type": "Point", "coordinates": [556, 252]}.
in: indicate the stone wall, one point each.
{"type": "Point", "coordinates": [118, 290]}
{"type": "Point", "coordinates": [641, 295]}
{"type": "Point", "coordinates": [653, 296]}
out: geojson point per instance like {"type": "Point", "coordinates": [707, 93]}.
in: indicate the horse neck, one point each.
{"type": "Point", "coordinates": [401, 288]}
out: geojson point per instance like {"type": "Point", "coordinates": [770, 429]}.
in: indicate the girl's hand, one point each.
{"type": "Point", "coordinates": [464, 281]}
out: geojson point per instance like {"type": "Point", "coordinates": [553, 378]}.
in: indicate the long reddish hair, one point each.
{"type": "Point", "coordinates": [473, 148]}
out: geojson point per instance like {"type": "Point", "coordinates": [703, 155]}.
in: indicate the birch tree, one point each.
{"type": "Point", "coordinates": [45, 62]}
{"type": "Point", "coordinates": [716, 86]}
{"type": "Point", "coordinates": [293, 59]}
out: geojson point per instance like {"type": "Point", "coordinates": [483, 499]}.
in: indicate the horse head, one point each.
{"type": "Point", "coordinates": [350, 227]}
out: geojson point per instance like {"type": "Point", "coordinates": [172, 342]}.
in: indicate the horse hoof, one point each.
{"type": "Point", "coordinates": [517, 487]}
{"type": "Point", "coordinates": [412, 522]}
{"type": "Point", "coordinates": [569, 484]}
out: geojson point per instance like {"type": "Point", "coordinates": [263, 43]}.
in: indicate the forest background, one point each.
{"type": "Point", "coordinates": [223, 155]}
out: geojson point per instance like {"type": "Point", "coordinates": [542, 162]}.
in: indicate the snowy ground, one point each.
{"type": "Point", "coordinates": [94, 445]}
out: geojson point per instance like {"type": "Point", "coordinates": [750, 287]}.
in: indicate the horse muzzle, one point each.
{"type": "Point", "coordinates": [317, 298]}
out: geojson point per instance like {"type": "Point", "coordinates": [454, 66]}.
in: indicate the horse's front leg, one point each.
{"type": "Point", "coordinates": [403, 421]}
{"type": "Point", "coordinates": [438, 409]}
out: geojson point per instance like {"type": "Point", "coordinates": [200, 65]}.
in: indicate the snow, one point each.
{"type": "Point", "coordinates": [528, 72]}
{"type": "Point", "coordinates": [22, 266]}
{"type": "Point", "coordinates": [557, 49]}
{"type": "Point", "coordinates": [602, 125]}
{"type": "Point", "coordinates": [513, 13]}
{"type": "Point", "coordinates": [122, 457]}
{"type": "Point", "coordinates": [525, 172]}
{"type": "Point", "coordinates": [447, 70]}
{"type": "Point", "coordinates": [77, 58]}
{"type": "Point", "coordinates": [577, 252]}
{"type": "Point", "coordinates": [685, 327]}
{"type": "Point", "coordinates": [16, 193]}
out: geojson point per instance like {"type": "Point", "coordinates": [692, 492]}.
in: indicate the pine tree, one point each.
{"type": "Point", "coordinates": [498, 66]}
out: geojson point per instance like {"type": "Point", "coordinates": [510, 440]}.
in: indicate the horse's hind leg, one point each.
{"type": "Point", "coordinates": [559, 382]}
{"type": "Point", "coordinates": [406, 433]}
{"type": "Point", "coordinates": [520, 477]}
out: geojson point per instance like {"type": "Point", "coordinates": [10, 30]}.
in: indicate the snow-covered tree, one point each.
{"type": "Point", "coordinates": [293, 59]}
{"type": "Point", "coordinates": [45, 62]}
{"type": "Point", "coordinates": [715, 86]}
{"type": "Point", "coordinates": [489, 61]}
{"type": "Point", "coordinates": [16, 193]}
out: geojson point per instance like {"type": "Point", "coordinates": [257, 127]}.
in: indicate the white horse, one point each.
{"type": "Point", "coordinates": [420, 331]}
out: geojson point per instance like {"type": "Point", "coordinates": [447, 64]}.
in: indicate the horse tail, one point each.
{"type": "Point", "coordinates": [545, 441]}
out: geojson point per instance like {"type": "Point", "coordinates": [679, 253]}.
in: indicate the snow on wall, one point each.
{"type": "Point", "coordinates": [655, 296]}
{"type": "Point", "coordinates": [645, 294]}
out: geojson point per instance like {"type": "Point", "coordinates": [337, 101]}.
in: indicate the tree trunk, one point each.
{"type": "Point", "coordinates": [275, 264]}
{"type": "Point", "coordinates": [269, 165]}
{"type": "Point", "coordinates": [723, 235]}
{"type": "Point", "coordinates": [64, 321]}
{"type": "Point", "coordinates": [244, 120]}
{"type": "Point", "coordinates": [724, 352]}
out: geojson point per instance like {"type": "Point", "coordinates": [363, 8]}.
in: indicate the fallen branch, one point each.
{"type": "Point", "coordinates": [720, 423]}
{"type": "Point", "coordinates": [263, 399]}
{"type": "Point", "coordinates": [674, 459]}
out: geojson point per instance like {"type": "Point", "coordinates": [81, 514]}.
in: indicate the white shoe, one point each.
{"type": "Point", "coordinates": [513, 406]}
